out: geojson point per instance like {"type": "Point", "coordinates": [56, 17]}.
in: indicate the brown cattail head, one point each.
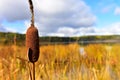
{"type": "Point", "coordinates": [32, 43]}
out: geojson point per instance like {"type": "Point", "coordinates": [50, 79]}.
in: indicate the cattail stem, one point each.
{"type": "Point", "coordinates": [33, 71]}
{"type": "Point", "coordinates": [32, 12]}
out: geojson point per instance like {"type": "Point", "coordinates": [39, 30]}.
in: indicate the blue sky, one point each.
{"type": "Point", "coordinates": [105, 11]}
{"type": "Point", "coordinates": [62, 17]}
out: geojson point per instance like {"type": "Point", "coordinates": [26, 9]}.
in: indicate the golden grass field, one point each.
{"type": "Point", "coordinates": [62, 62]}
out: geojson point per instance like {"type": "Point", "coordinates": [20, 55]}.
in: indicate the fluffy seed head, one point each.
{"type": "Point", "coordinates": [32, 43]}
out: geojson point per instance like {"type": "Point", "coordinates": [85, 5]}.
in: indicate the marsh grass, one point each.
{"type": "Point", "coordinates": [62, 62]}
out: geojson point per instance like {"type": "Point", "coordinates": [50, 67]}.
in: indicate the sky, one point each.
{"type": "Point", "coordinates": [62, 17]}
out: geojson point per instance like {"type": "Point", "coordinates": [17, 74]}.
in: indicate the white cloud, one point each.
{"type": "Point", "coordinates": [54, 14]}
{"type": "Point", "coordinates": [111, 29]}
{"type": "Point", "coordinates": [68, 31]}
{"type": "Point", "coordinates": [13, 10]}
{"type": "Point", "coordinates": [50, 15]}
{"type": "Point", "coordinates": [117, 11]}
{"type": "Point", "coordinates": [57, 34]}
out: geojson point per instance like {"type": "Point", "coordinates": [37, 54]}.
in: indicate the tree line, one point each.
{"type": "Point", "coordinates": [19, 39]}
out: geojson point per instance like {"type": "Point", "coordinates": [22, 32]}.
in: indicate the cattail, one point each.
{"type": "Point", "coordinates": [32, 39]}
{"type": "Point", "coordinates": [32, 43]}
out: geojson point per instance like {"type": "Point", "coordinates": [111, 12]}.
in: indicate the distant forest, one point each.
{"type": "Point", "coordinates": [19, 39]}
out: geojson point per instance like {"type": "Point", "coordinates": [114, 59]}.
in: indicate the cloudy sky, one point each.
{"type": "Point", "coordinates": [62, 17]}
